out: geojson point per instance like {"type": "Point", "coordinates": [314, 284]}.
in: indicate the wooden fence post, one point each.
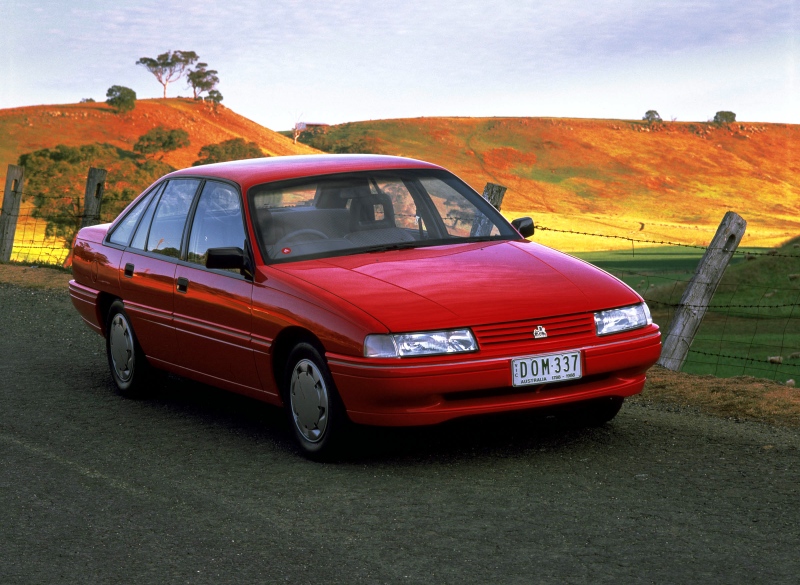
{"type": "Point", "coordinates": [12, 196]}
{"type": "Point", "coordinates": [493, 194]}
{"type": "Point", "coordinates": [700, 290]}
{"type": "Point", "coordinates": [95, 185]}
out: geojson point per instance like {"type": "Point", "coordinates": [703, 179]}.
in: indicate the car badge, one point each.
{"type": "Point", "coordinates": [539, 333]}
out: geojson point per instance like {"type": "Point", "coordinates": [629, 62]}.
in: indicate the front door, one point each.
{"type": "Point", "coordinates": [212, 308]}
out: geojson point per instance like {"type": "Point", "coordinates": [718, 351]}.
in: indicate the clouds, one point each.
{"type": "Point", "coordinates": [353, 59]}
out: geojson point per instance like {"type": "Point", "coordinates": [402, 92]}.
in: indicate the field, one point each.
{"type": "Point", "coordinates": [754, 315]}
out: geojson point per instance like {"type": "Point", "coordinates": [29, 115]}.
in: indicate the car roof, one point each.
{"type": "Point", "coordinates": [255, 171]}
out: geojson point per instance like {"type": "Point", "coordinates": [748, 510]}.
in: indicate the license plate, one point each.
{"type": "Point", "coordinates": [546, 369]}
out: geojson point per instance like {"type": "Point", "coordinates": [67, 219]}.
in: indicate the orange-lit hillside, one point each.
{"type": "Point", "coordinates": [671, 181]}
{"type": "Point", "coordinates": [31, 128]}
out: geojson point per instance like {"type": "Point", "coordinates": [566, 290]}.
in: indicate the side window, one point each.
{"type": "Point", "coordinates": [217, 223]}
{"type": "Point", "coordinates": [170, 215]}
{"type": "Point", "coordinates": [405, 209]}
{"type": "Point", "coordinates": [140, 237]}
{"type": "Point", "coordinates": [460, 217]}
{"type": "Point", "coordinates": [122, 233]}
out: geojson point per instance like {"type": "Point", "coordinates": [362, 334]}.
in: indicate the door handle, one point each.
{"type": "Point", "coordinates": [129, 270]}
{"type": "Point", "coordinates": [183, 284]}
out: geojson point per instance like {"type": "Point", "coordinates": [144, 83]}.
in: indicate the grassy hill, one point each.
{"type": "Point", "coordinates": [28, 129]}
{"type": "Point", "coordinates": [35, 127]}
{"type": "Point", "coordinates": [671, 181]}
{"type": "Point", "coordinates": [665, 182]}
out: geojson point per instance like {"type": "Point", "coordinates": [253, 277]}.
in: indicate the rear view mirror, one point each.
{"type": "Point", "coordinates": [524, 225]}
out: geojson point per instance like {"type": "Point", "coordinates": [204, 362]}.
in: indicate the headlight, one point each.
{"type": "Point", "coordinates": [624, 319]}
{"type": "Point", "coordinates": [417, 344]}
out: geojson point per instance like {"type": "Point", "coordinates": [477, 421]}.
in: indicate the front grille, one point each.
{"type": "Point", "coordinates": [561, 331]}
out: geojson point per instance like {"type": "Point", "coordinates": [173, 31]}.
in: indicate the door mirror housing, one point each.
{"type": "Point", "coordinates": [228, 258]}
{"type": "Point", "coordinates": [524, 225]}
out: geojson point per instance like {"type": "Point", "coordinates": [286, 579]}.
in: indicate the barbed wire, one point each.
{"type": "Point", "coordinates": [628, 238]}
{"type": "Point", "coordinates": [661, 242]}
{"type": "Point", "coordinates": [744, 359]}
{"type": "Point", "coordinates": [677, 305]}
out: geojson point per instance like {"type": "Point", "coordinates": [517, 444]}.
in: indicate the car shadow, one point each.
{"type": "Point", "coordinates": [515, 434]}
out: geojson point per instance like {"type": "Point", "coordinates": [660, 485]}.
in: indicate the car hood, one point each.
{"type": "Point", "coordinates": [464, 284]}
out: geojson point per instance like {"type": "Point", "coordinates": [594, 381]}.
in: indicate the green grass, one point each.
{"type": "Point", "coordinates": [754, 315]}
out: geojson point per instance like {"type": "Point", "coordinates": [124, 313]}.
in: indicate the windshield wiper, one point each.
{"type": "Point", "coordinates": [390, 247]}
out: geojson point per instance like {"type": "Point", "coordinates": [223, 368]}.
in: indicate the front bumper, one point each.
{"type": "Point", "coordinates": [400, 392]}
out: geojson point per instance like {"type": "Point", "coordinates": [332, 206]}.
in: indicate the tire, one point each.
{"type": "Point", "coordinates": [126, 360]}
{"type": "Point", "coordinates": [316, 413]}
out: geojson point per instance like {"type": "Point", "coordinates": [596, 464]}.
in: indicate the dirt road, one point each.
{"type": "Point", "coordinates": [199, 486]}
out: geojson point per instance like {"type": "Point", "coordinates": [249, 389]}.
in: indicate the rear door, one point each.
{"type": "Point", "coordinates": [212, 308]}
{"type": "Point", "coordinates": [148, 268]}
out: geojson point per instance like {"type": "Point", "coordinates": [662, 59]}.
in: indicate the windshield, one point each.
{"type": "Point", "coordinates": [362, 212]}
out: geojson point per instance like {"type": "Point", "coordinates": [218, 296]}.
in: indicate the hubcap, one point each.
{"type": "Point", "coordinates": [121, 343]}
{"type": "Point", "coordinates": [309, 400]}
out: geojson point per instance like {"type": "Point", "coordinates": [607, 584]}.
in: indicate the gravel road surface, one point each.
{"type": "Point", "coordinates": [200, 486]}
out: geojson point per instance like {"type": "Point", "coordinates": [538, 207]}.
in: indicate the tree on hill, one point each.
{"type": "Point", "coordinates": [202, 80]}
{"type": "Point", "coordinates": [56, 179]}
{"type": "Point", "coordinates": [233, 149]}
{"type": "Point", "coordinates": [160, 139]}
{"type": "Point", "coordinates": [169, 66]}
{"type": "Point", "coordinates": [122, 99]}
{"type": "Point", "coordinates": [214, 98]}
{"type": "Point", "coordinates": [724, 117]}
{"type": "Point", "coordinates": [652, 117]}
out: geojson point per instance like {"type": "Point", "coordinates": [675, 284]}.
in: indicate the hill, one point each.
{"type": "Point", "coordinates": [111, 137]}
{"type": "Point", "coordinates": [670, 181]}
{"type": "Point", "coordinates": [35, 127]}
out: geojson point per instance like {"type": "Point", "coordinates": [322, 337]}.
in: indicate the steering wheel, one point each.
{"type": "Point", "coordinates": [299, 234]}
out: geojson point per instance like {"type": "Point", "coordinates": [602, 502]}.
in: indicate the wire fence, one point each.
{"type": "Point", "coordinates": [33, 242]}
{"type": "Point", "coordinates": [38, 226]}
{"type": "Point", "coordinates": [752, 325]}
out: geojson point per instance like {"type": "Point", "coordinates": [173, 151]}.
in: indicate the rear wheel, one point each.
{"type": "Point", "coordinates": [126, 360]}
{"type": "Point", "coordinates": [316, 413]}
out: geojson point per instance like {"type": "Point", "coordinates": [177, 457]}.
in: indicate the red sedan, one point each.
{"type": "Point", "coordinates": [367, 289]}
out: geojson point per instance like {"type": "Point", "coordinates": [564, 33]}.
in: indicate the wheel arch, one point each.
{"type": "Point", "coordinates": [282, 347]}
{"type": "Point", "coordinates": [104, 302]}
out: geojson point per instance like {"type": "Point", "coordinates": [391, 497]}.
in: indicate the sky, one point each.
{"type": "Point", "coordinates": [333, 61]}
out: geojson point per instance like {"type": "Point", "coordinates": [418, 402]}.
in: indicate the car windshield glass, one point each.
{"type": "Point", "coordinates": [365, 212]}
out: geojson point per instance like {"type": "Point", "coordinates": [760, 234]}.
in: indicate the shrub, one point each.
{"type": "Point", "coordinates": [160, 139]}
{"type": "Point", "coordinates": [233, 149]}
{"type": "Point", "coordinates": [723, 117]}
{"type": "Point", "coordinates": [122, 99]}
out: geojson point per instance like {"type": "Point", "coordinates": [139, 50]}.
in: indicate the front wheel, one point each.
{"type": "Point", "coordinates": [316, 413]}
{"type": "Point", "coordinates": [126, 360]}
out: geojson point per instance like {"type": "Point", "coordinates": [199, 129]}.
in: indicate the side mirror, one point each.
{"type": "Point", "coordinates": [226, 258]}
{"type": "Point", "coordinates": [524, 225]}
